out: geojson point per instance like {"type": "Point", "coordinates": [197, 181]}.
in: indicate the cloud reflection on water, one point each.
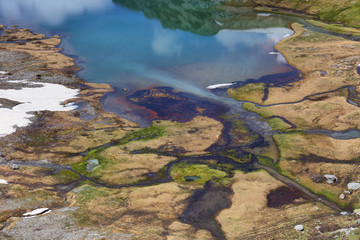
{"type": "Point", "coordinates": [166, 43]}
{"type": "Point", "coordinates": [49, 12]}
{"type": "Point", "coordinates": [254, 37]}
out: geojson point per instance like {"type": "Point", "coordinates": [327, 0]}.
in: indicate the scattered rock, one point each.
{"type": "Point", "coordinates": [330, 179]}
{"type": "Point", "coordinates": [316, 208]}
{"type": "Point", "coordinates": [299, 228]}
{"type": "Point", "coordinates": [357, 212]}
{"type": "Point", "coordinates": [342, 196]}
{"type": "Point", "coordinates": [344, 213]}
{"type": "Point", "coordinates": [15, 166]}
{"type": "Point", "coordinates": [353, 186]}
{"type": "Point", "coordinates": [347, 192]}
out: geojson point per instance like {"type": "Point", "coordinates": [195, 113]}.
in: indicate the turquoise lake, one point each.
{"type": "Point", "coordinates": [138, 44]}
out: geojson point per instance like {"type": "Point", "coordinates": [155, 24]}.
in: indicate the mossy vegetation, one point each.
{"type": "Point", "coordinates": [259, 110]}
{"type": "Point", "coordinates": [236, 155]}
{"type": "Point", "coordinates": [337, 28]}
{"type": "Point", "coordinates": [143, 134]}
{"type": "Point", "coordinates": [346, 12]}
{"type": "Point", "coordinates": [66, 176]}
{"type": "Point", "coordinates": [266, 161]}
{"type": "Point", "coordinates": [252, 92]}
{"type": "Point", "coordinates": [194, 173]}
{"type": "Point", "coordinates": [277, 124]}
{"type": "Point", "coordinates": [87, 193]}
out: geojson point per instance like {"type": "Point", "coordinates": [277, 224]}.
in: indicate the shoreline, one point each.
{"type": "Point", "coordinates": [44, 63]}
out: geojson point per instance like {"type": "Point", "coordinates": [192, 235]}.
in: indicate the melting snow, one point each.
{"type": "Point", "coordinates": [36, 212]}
{"type": "Point", "coordinates": [47, 97]}
{"type": "Point", "coordinates": [3, 181]}
{"type": "Point", "coordinates": [219, 85]}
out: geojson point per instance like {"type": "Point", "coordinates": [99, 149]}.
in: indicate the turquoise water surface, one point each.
{"type": "Point", "coordinates": [137, 44]}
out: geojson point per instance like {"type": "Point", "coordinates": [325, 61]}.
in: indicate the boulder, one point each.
{"type": "Point", "coordinates": [357, 211]}
{"type": "Point", "coordinates": [353, 186]}
{"type": "Point", "coordinates": [347, 192]}
{"type": "Point", "coordinates": [342, 196]}
{"type": "Point", "coordinates": [15, 166]}
{"type": "Point", "coordinates": [299, 228]}
{"type": "Point", "coordinates": [330, 179]}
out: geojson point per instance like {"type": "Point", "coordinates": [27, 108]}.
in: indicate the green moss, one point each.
{"type": "Point", "coordinates": [252, 92]}
{"type": "Point", "coordinates": [278, 124]}
{"type": "Point", "coordinates": [204, 172]}
{"type": "Point", "coordinates": [237, 156]}
{"type": "Point", "coordinates": [143, 134]}
{"type": "Point", "coordinates": [266, 161]}
{"type": "Point", "coordinates": [251, 107]}
{"type": "Point", "coordinates": [80, 167]}
{"type": "Point", "coordinates": [66, 176]}
{"type": "Point", "coordinates": [86, 193]}
{"type": "Point", "coordinates": [154, 131]}
{"type": "Point", "coordinates": [104, 163]}
{"type": "Point", "coordinates": [223, 182]}
{"type": "Point", "coordinates": [345, 12]}
{"type": "Point", "coordinates": [241, 127]}
{"type": "Point", "coordinates": [337, 28]}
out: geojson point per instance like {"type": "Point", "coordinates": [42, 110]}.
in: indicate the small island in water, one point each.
{"type": "Point", "coordinates": [178, 144]}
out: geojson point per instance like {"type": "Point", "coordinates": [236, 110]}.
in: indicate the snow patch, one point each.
{"type": "Point", "coordinates": [219, 23]}
{"type": "Point", "coordinates": [36, 212]}
{"type": "Point", "coordinates": [264, 14]}
{"type": "Point", "coordinates": [45, 96]}
{"type": "Point", "coordinates": [219, 85]}
{"type": "Point", "coordinates": [3, 181]}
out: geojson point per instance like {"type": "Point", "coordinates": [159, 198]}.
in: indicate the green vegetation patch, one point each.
{"type": "Point", "coordinates": [66, 176]}
{"type": "Point", "coordinates": [237, 156]}
{"type": "Point", "coordinates": [277, 124]}
{"type": "Point", "coordinates": [154, 131]}
{"type": "Point", "coordinates": [259, 110]}
{"type": "Point", "coordinates": [201, 173]}
{"type": "Point", "coordinates": [289, 144]}
{"type": "Point", "coordinates": [143, 134]}
{"type": "Point", "coordinates": [346, 12]}
{"type": "Point", "coordinates": [337, 28]}
{"type": "Point", "coordinates": [252, 92]}
{"type": "Point", "coordinates": [86, 193]}
{"type": "Point", "coordinates": [266, 161]}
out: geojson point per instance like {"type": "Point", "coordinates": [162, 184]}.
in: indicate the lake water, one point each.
{"type": "Point", "coordinates": [137, 44]}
